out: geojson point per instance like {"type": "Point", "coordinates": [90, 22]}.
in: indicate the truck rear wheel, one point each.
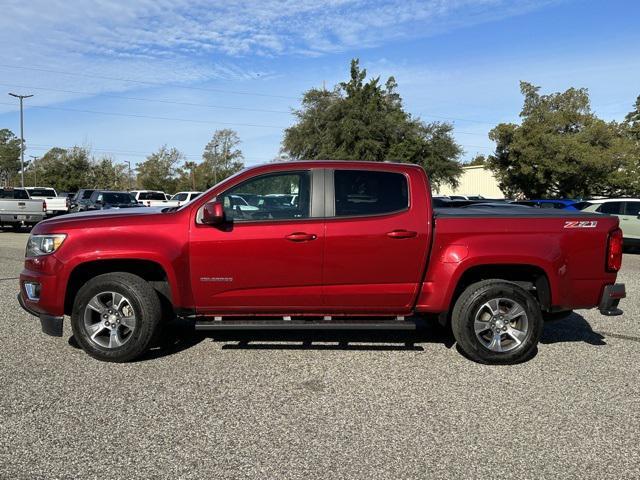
{"type": "Point", "coordinates": [115, 316]}
{"type": "Point", "coordinates": [497, 322]}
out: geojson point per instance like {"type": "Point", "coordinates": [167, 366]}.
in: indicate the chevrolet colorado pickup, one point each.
{"type": "Point", "coordinates": [358, 246]}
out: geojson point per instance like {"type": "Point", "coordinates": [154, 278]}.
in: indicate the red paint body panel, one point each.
{"type": "Point", "coordinates": [352, 266]}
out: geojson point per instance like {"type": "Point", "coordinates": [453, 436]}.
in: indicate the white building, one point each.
{"type": "Point", "coordinates": [475, 180]}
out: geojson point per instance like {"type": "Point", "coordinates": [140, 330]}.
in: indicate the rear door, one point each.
{"type": "Point", "coordinates": [630, 219]}
{"type": "Point", "coordinates": [376, 239]}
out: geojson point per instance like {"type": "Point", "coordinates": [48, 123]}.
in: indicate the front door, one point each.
{"type": "Point", "coordinates": [268, 257]}
{"type": "Point", "coordinates": [376, 241]}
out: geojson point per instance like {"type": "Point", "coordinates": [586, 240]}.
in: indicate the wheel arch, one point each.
{"type": "Point", "coordinates": [531, 277]}
{"type": "Point", "coordinates": [149, 270]}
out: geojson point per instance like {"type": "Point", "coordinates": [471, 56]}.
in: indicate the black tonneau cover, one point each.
{"type": "Point", "coordinates": [511, 212]}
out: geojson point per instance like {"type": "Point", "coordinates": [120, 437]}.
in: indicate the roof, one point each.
{"type": "Point", "coordinates": [606, 200]}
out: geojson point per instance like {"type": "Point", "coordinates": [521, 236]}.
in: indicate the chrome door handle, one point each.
{"type": "Point", "coordinates": [301, 237]}
{"type": "Point", "coordinates": [402, 234]}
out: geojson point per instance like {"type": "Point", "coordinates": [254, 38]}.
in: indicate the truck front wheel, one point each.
{"type": "Point", "coordinates": [497, 322]}
{"type": "Point", "coordinates": [115, 316]}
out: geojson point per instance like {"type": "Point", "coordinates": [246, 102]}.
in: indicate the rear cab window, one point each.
{"type": "Point", "coordinates": [361, 192]}
{"type": "Point", "coordinates": [14, 194]}
{"type": "Point", "coordinates": [151, 196]}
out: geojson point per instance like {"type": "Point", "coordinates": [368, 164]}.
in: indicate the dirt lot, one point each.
{"type": "Point", "coordinates": [300, 406]}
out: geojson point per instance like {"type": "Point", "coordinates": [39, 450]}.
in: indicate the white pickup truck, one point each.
{"type": "Point", "coordinates": [181, 198]}
{"type": "Point", "coordinates": [55, 205]}
{"type": "Point", "coordinates": [151, 198]}
{"type": "Point", "coordinates": [17, 209]}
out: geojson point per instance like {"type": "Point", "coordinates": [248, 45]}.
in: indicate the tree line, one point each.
{"type": "Point", "coordinates": [560, 148]}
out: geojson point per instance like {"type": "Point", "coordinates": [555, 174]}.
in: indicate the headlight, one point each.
{"type": "Point", "coordinates": [44, 244]}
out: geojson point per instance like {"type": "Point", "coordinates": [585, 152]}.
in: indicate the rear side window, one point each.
{"type": "Point", "coordinates": [369, 193]}
{"type": "Point", "coordinates": [632, 208]}
{"type": "Point", "coordinates": [612, 208]}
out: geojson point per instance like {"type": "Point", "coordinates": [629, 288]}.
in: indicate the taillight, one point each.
{"type": "Point", "coordinates": [44, 206]}
{"type": "Point", "coordinates": [614, 251]}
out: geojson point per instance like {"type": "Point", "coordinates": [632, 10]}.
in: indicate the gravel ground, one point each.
{"type": "Point", "coordinates": [273, 406]}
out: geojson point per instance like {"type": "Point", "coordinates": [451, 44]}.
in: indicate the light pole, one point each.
{"type": "Point", "coordinates": [35, 170]}
{"type": "Point", "coordinates": [215, 163]}
{"type": "Point", "coordinates": [128, 162]}
{"type": "Point", "coordinates": [21, 97]}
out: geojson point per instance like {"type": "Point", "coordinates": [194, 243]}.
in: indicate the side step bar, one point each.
{"type": "Point", "coordinates": [305, 325]}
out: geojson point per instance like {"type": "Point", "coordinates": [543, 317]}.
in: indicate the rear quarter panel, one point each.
{"type": "Point", "coordinates": [572, 258]}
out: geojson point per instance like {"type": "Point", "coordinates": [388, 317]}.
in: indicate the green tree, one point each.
{"type": "Point", "coordinates": [9, 155]}
{"type": "Point", "coordinates": [160, 171]}
{"type": "Point", "coordinates": [221, 159]}
{"type": "Point", "coordinates": [478, 160]}
{"type": "Point", "coordinates": [66, 170]}
{"type": "Point", "coordinates": [364, 120]}
{"type": "Point", "coordinates": [107, 174]}
{"type": "Point", "coordinates": [560, 148]}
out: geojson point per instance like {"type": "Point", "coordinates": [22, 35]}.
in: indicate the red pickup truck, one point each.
{"type": "Point", "coordinates": [320, 245]}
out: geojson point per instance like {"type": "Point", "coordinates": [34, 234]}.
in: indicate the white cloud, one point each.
{"type": "Point", "coordinates": [181, 40]}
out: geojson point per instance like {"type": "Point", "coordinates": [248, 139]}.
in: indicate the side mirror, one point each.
{"type": "Point", "coordinates": [213, 213]}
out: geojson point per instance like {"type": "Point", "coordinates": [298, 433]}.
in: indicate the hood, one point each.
{"type": "Point", "coordinates": [98, 218]}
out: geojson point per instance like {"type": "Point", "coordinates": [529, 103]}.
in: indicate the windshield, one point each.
{"type": "Point", "coordinates": [42, 192]}
{"type": "Point", "coordinates": [118, 198]}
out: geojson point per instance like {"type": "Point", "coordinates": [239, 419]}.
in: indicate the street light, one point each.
{"type": "Point", "coordinates": [128, 162]}
{"type": "Point", "coordinates": [35, 170]}
{"type": "Point", "coordinates": [21, 97]}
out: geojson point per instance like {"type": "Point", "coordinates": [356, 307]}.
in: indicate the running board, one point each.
{"type": "Point", "coordinates": [305, 325]}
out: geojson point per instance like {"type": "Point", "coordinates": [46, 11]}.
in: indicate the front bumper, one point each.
{"type": "Point", "coordinates": [611, 297]}
{"type": "Point", "coordinates": [51, 325]}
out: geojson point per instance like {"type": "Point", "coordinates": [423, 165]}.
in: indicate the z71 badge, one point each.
{"type": "Point", "coordinates": [581, 224]}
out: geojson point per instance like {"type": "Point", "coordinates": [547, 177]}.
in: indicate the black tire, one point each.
{"type": "Point", "coordinates": [146, 308]}
{"type": "Point", "coordinates": [471, 303]}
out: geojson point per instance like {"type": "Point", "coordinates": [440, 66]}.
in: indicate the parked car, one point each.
{"type": "Point", "coordinates": [107, 199]}
{"type": "Point", "coordinates": [502, 205]}
{"type": "Point", "coordinates": [17, 209]}
{"type": "Point", "coordinates": [626, 209]}
{"type": "Point", "coordinates": [55, 205]}
{"type": "Point", "coordinates": [564, 204]}
{"type": "Point", "coordinates": [69, 195]}
{"type": "Point", "coordinates": [252, 199]}
{"type": "Point", "coordinates": [151, 198]}
{"type": "Point", "coordinates": [331, 261]}
{"type": "Point", "coordinates": [81, 199]}
{"type": "Point", "coordinates": [181, 198]}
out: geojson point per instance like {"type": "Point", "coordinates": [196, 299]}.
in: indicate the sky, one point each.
{"type": "Point", "coordinates": [125, 77]}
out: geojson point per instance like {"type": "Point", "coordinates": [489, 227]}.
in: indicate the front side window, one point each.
{"type": "Point", "coordinates": [282, 196]}
{"type": "Point", "coordinates": [612, 208]}
{"type": "Point", "coordinates": [360, 192]}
